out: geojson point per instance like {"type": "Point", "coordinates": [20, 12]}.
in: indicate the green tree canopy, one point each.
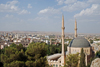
{"type": "Point", "coordinates": [12, 56]}
{"type": "Point", "coordinates": [91, 41]}
{"type": "Point", "coordinates": [13, 45]}
{"type": "Point", "coordinates": [36, 54]}
{"type": "Point", "coordinates": [72, 60]}
{"type": "Point", "coordinates": [82, 59]}
{"type": "Point", "coordinates": [98, 54]}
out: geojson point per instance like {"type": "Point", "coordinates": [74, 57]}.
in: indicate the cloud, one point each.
{"type": "Point", "coordinates": [60, 2]}
{"type": "Point", "coordinates": [88, 11]}
{"type": "Point", "coordinates": [9, 7]}
{"type": "Point", "coordinates": [24, 12]}
{"type": "Point", "coordinates": [39, 19]}
{"type": "Point", "coordinates": [29, 6]}
{"type": "Point", "coordinates": [9, 16]}
{"type": "Point", "coordinates": [43, 11]}
{"type": "Point", "coordinates": [50, 11]}
{"type": "Point", "coordinates": [94, 1]}
{"type": "Point", "coordinates": [69, 1]}
{"type": "Point", "coordinates": [75, 6]}
{"type": "Point", "coordinates": [12, 2]}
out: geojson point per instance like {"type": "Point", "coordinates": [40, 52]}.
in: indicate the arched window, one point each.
{"type": "Point", "coordinates": [59, 65]}
{"type": "Point", "coordinates": [53, 65]}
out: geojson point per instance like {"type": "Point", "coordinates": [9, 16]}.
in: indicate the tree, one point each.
{"type": "Point", "coordinates": [72, 60]}
{"type": "Point", "coordinates": [34, 56]}
{"type": "Point", "coordinates": [36, 53]}
{"type": "Point", "coordinates": [13, 45]}
{"type": "Point", "coordinates": [12, 57]}
{"type": "Point", "coordinates": [52, 49]}
{"type": "Point", "coordinates": [1, 64]}
{"type": "Point", "coordinates": [91, 41]}
{"type": "Point", "coordinates": [98, 54]}
{"type": "Point", "coordinates": [19, 47]}
{"type": "Point", "coordinates": [82, 59]}
{"type": "Point", "coordinates": [1, 52]}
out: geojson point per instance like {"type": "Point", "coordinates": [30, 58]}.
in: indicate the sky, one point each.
{"type": "Point", "coordinates": [46, 15]}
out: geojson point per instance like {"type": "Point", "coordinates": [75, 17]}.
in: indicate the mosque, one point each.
{"type": "Point", "coordinates": [58, 60]}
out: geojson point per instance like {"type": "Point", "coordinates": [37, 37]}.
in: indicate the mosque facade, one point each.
{"type": "Point", "coordinates": [75, 46]}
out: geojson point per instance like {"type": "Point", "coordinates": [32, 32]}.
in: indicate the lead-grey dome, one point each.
{"type": "Point", "coordinates": [79, 42]}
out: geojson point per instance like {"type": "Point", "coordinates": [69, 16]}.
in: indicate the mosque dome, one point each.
{"type": "Point", "coordinates": [79, 42]}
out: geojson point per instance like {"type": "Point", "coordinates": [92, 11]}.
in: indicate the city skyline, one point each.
{"type": "Point", "coordinates": [46, 15]}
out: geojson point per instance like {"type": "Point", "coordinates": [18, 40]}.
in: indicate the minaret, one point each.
{"type": "Point", "coordinates": [75, 28]}
{"type": "Point", "coordinates": [50, 41]}
{"type": "Point", "coordinates": [63, 53]}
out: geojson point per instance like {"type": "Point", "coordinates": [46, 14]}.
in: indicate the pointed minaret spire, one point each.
{"type": "Point", "coordinates": [75, 28]}
{"type": "Point", "coordinates": [63, 53]}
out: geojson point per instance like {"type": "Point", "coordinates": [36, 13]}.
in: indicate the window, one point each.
{"type": "Point", "coordinates": [53, 65]}
{"type": "Point", "coordinates": [56, 65]}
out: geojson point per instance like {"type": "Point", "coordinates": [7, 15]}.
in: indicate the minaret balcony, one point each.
{"type": "Point", "coordinates": [63, 27]}
{"type": "Point", "coordinates": [75, 28]}
{"type": "Point", "coordinates": [63, 35]}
